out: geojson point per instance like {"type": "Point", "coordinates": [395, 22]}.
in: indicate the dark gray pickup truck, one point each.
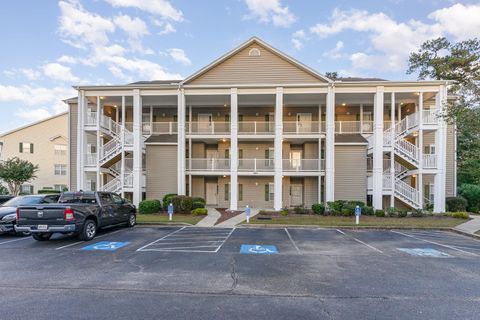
{"type": "Point", "coordinates": [81, 213]}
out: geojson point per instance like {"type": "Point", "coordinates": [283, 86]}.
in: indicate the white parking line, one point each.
{"type": "Point", "coordinates": [224, 240]}
{"type": "Point", "coordinates": [360, 241]}
{"type": "Point", "coordinates": [433, 242]}
{"type": "Point", "coordinates": [181, 248]}
{"type": "Point", "coordinates": [291, 240]}
{"type": "Point", "coordinates": [184, 242]}
{"type": "Point", "coordinates": [78, 242]}
{"type": "Point", "coordinates": [4, 242]}
{"type": "Point", "coordinates": [141, 249]}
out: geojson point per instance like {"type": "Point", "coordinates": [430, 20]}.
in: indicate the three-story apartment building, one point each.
{"type": "Point", "coordinates": [256, 127]}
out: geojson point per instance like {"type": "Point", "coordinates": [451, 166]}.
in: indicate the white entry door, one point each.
{"type": "Point", "coordinates": [212, 156]}
{"type": "Point", "coordinates": [211, 193]}
{"type": "Point", "coordinates": [296, 159]}
{"type": "Point", "coordinates": [304, 122]}
{"type": "Point", "coordinates": [296, 196]}
{"type": "Point", "coordinates": [205, 122]}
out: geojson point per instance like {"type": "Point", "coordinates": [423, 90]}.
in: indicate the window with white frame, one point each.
{"type": "Point", "coordinates": [25, 147]}
{"type": "Point", "coordinates": [269, 192]}
{"type": "Point", "coordinates": [26, 189]}
{"type": "Point", "coordinates": [60, 169]}
{"type": "Point", "coordinates": [60, 149]}
{"type": "Point", "coordinates": [60, 187]}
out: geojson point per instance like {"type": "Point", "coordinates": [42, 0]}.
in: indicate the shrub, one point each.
{"type": "Point", "coordinates": [471, 193]}
{"type": "Point", "coordinates": [300, 210]}
{"type": "Point", "coordinates": [402, 213]}
{"type": "Point", "coordinates": [49, 191]}
{"type": "Point", "coordinates": [197, 204]}
{"type": "Point", "coordinates": [335, 207]}
{"type": "Point", "coordinates": [200, 212]}
{"type": "Point", "coordinates": [380, 213]}
{"type": "Point", "coordinates": [458, 215]}
{"type": "Point", "coordinates": [284, 212]}
{"type": "Point", "coordinates": [182, 204]}
{"type": "Point", "coordinates": [418, 213]}
{"type": "Point", "coordinates": [346, 212]}
{"type": "Point", "coordinates": [348, 208]}
{"type": "Point", "coordinates": [456, 204]}
{"type": "Point", "coordinates": [391, 212]}
{"type": "Point", "coordinates": [368, 211]}
{"type": "Point", "coordinates": [318, 208]}
{"type": "Point", "coordinates": [167, 199]}
{"type": "Point", "coordinates": [149, 206]}
{"type": "Point", "coordinates": [198, 199]}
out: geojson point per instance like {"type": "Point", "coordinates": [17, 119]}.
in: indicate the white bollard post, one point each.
{"type": "Point", "coordinates": [247, 213]}
{"type": "Point", "coordinates": [170, 211]}
{"type": "Point", "coordinates": [358, 213]}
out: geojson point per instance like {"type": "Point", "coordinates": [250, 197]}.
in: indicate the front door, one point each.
{"type": "Point", "coordinates": [296, 195]}
{"type": "Point", "coordinates": [304, 122]}
{"type": "Point", "coordinates": [212, 156]}
{"type": "Point", "coordinates": [296, 159]}
{"type": "Point", "coordinates": [211, 193]}
{"type": "Point", "coordinates": [204, 122]}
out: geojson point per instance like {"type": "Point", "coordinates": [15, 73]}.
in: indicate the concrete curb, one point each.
{"type": "Point", "coordinates": [471, 235]}
{"type": "Point", "coordinates": [150, 224]}
{"type": "Point", "coordinates": [282, 226]}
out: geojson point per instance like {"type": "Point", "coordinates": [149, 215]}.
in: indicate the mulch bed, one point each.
{"type": "Point", "coordinates": [226, 214]}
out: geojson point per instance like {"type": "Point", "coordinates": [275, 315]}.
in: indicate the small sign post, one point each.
{"type": "Point", "coordinates": [247, 213]}
{"type": "Point", "coordinates": [170, 211]}
{"type": "Point", "coordinates": [358, 213]}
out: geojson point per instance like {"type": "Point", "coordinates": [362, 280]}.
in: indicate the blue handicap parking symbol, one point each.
{"type": "Point", "coordinates": [105, 246]}
{"type": "Point", "coordinates": [257, 249]}
{"type": "Point", "coordinates": [424, 252]}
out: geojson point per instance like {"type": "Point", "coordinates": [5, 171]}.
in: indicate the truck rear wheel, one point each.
{"type": "Point", "coordinates": [89, 230]}
{"type": "Point", "coordinates": [44, 236]}
{"type": "Point", "coordinates": [132, 220]}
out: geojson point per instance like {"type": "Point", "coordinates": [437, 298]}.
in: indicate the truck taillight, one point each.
{"type": "Point", "coordinates": [18, 213]}
{"type": "Point", "coordinates": [68, 214]}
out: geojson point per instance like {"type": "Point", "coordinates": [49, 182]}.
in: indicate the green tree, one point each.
{"type": "Point", "coordinates": [15, 172]}
{"type": "Point", "coordinates": [440, 59]}
{"type": "Point", "coordinates": [3, 190]}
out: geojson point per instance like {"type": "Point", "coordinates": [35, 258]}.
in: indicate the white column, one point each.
{"type": "Point", "coordinates": [378, 149]}
{"type": "Point", "coordinates": [233, 149]}
{"type": "Point", "coordinates": [99, 143]}
{"type": "Point", "coordinates": [181, 142]}
{"type": "Point", "coordinates": [137, 147]}
{"type": "Point", "coordinates": [330, 146]}
{"type": "Point", "coordinates": [420, 147]}
{"type": "Point", "coordinates": [392, 153]}
{"type": "Point", "coordinates": [440, 149]}
{"type": "Point", "coordinates": [278, 153]}
{"type": "Point", "coordinates": [319, 177]}
{"type": "Point", "coordinates": [122, 137]}
{"type": "Point", "coordinates": [81, 151]}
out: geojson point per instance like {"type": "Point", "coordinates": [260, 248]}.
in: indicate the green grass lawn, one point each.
{"type": "Point", "coordinates": [365, 221]}
{"type": "Point", "coordinates": [163, 219]}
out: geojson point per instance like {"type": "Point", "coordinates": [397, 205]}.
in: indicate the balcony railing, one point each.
{"type": "Point", "coordinates": [208, 128]}
{"type": "Point", "coordinates": [256, 165]}
{"type": "Point", "coordinates": [91, 119]}
{"type": "Point", "coordinates": [91, 159]}
{"type": "Point", "coordinates": [430, 117]}
{"type": "Point", "coordinates": [303, 127]}
{"type": "Point", "coordinates": [256, 128]}
{"type": "Point", "coordinates": [303, 165]}
{"type": "Point", "coordinates": [160, 128]}
{"type": "Point", "coordinates": [199, 164]}
{"type": "Point", "coordinates": [430, 161]}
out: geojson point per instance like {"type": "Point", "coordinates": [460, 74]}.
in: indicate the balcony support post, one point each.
{"type": "Point", "coordinates": [278, 153]}
{"type": "Point", "coordinates": [233, 149]}
{"type": "Point", "coordinates": [378, 149]}
{"type": "Point", "coordinates": [99, 144]}
{"type": "Point", "coordinates": [420, 149]}
{"type": "Point", "coordinates": [330, 145]}
{"type": "Point", "coordinates": [440, 150]}
{"type": "Point", "coordinates": [82, 112]}
{"type": "Point", "coordinates": [122, 137]}
{"type": "Point", "coordinates": [137, 147]}
{"type": "Point", "coordinates": [392, 152]}
{"type": "Point", "coordinates": [181, 142]}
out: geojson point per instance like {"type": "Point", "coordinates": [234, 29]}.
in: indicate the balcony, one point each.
{"type": "Point", "coordinates": [208, 128]}
{"type": "Point", "coordinates": [430, 161]}
{"type": "Point", "coordinates": [213, 165]}
{"type": "Point", "coordinates": [91, 159]}
{"type": "Point", "coordinates": [256, 128]}
{"type": "Point", "coordinates": [256, 165]}
{"type": "Point", "coordinates": [91, 119]}
{"type": "Point", "coordinates": [303, 165]}
{"type": "Point", "coordinates": [160, 128]}
{"type": "Point", "coordinates": [303, 127]}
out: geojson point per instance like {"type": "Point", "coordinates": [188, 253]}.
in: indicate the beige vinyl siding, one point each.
{"type": "Point", "coordinates": [310, 191]}
{"type": "Point", "coordinates": [254, 192]}
{"type": "Point", "coordinates": [73, 113]}
{"type": "Point", "coordinates": [294, 110]}
{"type": "Point", "coordinates": [198, 187]}
{"type": "Point", "coordinates": [244, 69]}
{"type": "Point", "coordinates": [286, 181]}
{"type": "Point", "coordinates": [198, 150]}
{"type": "Point", "coordinates": [350, 172]}
{"type": "Point", "coordinates": [161, 168]}
{"type": "Point", "coordinates": [450, 162]}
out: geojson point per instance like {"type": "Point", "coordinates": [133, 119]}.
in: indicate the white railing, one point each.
{"type": "Point", "coordinates": [347, 127]}
{"type": "Point", "coordinates": [407, 192]}
{"type": "Point", "coordinates": [367, 127]}
{"type": "Point", "coordinates": [207, 128]}
{"type": "Point", "coordinates": [113, 186]}
{"type": "Point", "coordinates": [387, 137]}
{"type": "Point", "coordinates": [110, 125]}
{"type": "Point", "coordinates": [387, 182]}
{"type": "Point", "coordinates": [208, 164]}
{"type": "Point", "coordinates": [302, 127]}
{"type": "Point", "coordinates": [128, 180]}
{"type": "Point", "coordinates": [256, 128]}
{"type": "Point", "coordinates": [91, 159]}
{"type": "Point", "coordinates": [128, 137]}
{"type": "Point", "coordinates": [256, 165]}
{"type": "Point", "coordinates": [302, 165]}
{"type": "Point", "coordinates": [407, 149]}
{"type": "Point", "coordinates": [163, 128]}
{"type": "Point", "coordinates": [91, 119]}
{"type": "Point", "coordinates": [109, 149]}
{"type": "Point", "coordinates": [429, 160]}
{"type": "Point", "coordinates": [430, 117]}
{"type": "Point", "coordinates": [402, 127]}
{"type": "Point", "coordinates": [399, 169]}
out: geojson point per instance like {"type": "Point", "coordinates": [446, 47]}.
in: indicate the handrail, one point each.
{"type": "Point", "coordinates": [408, 149]}
{"type": "Point", "coordinates": [406, 191]}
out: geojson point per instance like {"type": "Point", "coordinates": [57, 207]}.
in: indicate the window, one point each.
{"type": "Point", "coordinates": [429, 149]}
{"type": "Point", "coordinates": [116, 199]}
{"type": "Point", "coordinates": [254, 52]}
{"type": "Point", "coordinates": [60, 187]}
{"type": "Point", "coordinates": [60, 169]}
{"type": "Point", "coordinates": [269, 192]}
{"type": "Point", "coordinates": [227, 192]}
{"type": "Point", "coordinates": [60, 149]}
{"type": "Point", "coordinates": [269, 156]}
{"type": "Point", "coordinates": [26, 189]}
{"type": "Point", "coordinates": [105, 198]}
{"type": "Point", "coordinates": [26, 147]}
{"type": "Point", "coordinates": [51, 199]}
{"type": "Point", "coordinates": [92, 185]}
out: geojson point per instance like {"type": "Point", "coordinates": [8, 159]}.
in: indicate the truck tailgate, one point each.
{"type": "Point", "coordinates": [47, 214]}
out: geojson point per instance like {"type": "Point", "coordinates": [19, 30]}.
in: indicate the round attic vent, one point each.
{"type": "Point", "coordinates": [254, 52]}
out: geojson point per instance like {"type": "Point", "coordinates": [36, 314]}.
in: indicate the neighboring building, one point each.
{"type": "Point", "coordinates": [257, 127]}
{"type": "Point", "coordinates": [45, 144]}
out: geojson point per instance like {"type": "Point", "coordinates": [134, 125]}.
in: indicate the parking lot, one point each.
{"type": "Point", "coordinates": [243, 273]}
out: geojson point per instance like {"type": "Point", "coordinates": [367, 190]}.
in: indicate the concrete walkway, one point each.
{"type": "Point", "coordinates": [471, 226]}
{"type": "Point", "coordinates": [210, 219]}
{"type": "Point", "coordinates": [232, 222]}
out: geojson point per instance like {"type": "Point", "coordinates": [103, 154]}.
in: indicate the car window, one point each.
{"type": "Point", "coordinates": [117, 199]}
{"type": "Point", "coordinates": [105, 198]}
{"type": "Point", "coordinates": [50, 199]}
{"type": "Point", "coordinates": [23, 201]}
{"type": "Point", "coordinates": [78, 197]}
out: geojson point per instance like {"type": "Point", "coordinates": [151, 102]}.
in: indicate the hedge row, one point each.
{"type": "Point", "coordinates": [181, 204]}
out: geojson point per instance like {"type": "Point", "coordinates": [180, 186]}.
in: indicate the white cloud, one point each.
{"type": "Point", "coordinates": [393, 41]}
{"type": "Point", "coordinates": [162, 8]}
{"type": "Point", "coordinates": [135, 28]}
{"type": "Point", "coordinates": [298, 38]}
{"type": "Point", "coordinates": [59, 72]}
{"type": "Point", "coordinates": [167, 27]}
{"type": "Point", "coordinates": [273, 11]}
{"type": "Point", "coordinates": [179, 55]}
{"type": "Point", "coordinates": [67, 59]}
{"type": "Point", "coordinates": [335, 52]}
{"type": "Point", "coordinates": [29, 73]}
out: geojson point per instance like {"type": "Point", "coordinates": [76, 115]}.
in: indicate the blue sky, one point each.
{"type": "Point", "coordinates": [48, 46]}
